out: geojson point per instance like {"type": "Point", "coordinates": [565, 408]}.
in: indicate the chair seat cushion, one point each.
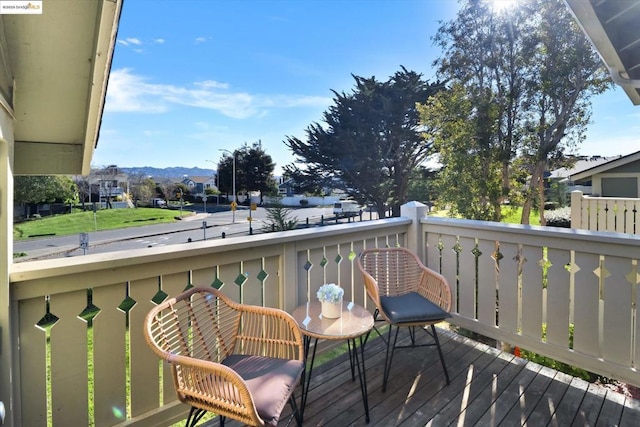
{"type": "Point", "coordinates": [410, 308]}
{"type": "Point", "coordinates": [270, 381]}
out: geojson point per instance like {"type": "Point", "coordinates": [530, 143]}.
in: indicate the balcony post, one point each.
{"type": "Point", "coordinates": [415, 238]}
{"type": "Point", "coordinates": [576, 209]}
{"type": "Point", "coordinates": [9, 383]}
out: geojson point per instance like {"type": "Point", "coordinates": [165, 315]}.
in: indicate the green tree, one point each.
{"type": "Point", "coordinates": [44, 189]}
{"type": "Point", "coordinates": [142, 188]}
{"type": "Point", "coordinates": [369, 143]}
{"type": "Point", "coordinates": [279, 218]}
{"type": "Point", "coordinates": [481, 60]}
{"type": "Point", "coordinates": [565, 72]}
{"type": "Point", "coordinates": [253, 170]}
{"type": "Point", "coordinates": [469, 183]}
{"type": "Point", "coordinates": [256, 170]}
{"type": "Point", "coordinates": [166, 189]}
{"type": "Point", "coordinates": [523, 77]}
{"type": "Point", "coordinates": [421, 185]}
{"type": "Point", "coordinates": [226, 173]}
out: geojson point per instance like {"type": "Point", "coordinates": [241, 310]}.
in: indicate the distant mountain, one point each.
{"type": "Point", "coordinates": [173, 172]}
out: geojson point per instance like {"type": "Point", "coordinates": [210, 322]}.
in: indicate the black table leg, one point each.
{"type": "Point", "coordinates": [362, 375]}
{"type": "Point", "coordinates": [354, 359]}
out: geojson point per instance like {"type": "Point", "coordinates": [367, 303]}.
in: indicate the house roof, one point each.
{"type": "Point", "coordinates": [203, 179]}
{"type": "Point", "coordinates": [612, 26]}
{"type": "Point", "coordinates": [58, 65]}
{"type": "Point", "coordinates": [580, 165]}
{"type": "Point", "coordinates": [617, 162]}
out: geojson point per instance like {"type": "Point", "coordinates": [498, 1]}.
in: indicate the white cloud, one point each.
{"type": "Point", "coordinates": [150, 133]}
{"type": "Point", "coordinates": [133, 40]}
{"type": "Point", "coordinates": [128, 92]}
{"type": "Point", "coordinates": [200, 40]}
{"type": "Point", "coordinates": [212, 84]}
{"type": "Point", "coordinates": [159, 41]}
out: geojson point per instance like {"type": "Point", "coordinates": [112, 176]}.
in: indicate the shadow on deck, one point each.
{"type": "Point", "coordinates": [488, 388]}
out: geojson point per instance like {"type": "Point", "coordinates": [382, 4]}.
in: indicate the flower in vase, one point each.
{"type": "Point", "coordinates": [330, 292]}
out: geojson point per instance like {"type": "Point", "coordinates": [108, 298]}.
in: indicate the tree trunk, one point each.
{"type": "Point", "coordinates": [535, 186]}
{"type": "Point", "coordinates": [541, 201]}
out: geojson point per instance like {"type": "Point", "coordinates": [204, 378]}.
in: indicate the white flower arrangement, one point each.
{"type": "Point", "coordinates": [330, 292]}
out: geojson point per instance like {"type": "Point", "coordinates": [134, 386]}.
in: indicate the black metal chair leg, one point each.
{"type": "Point", "coordinates": [295, 411]}
{"type": "Point", "coordinates": [195, 414]}
{"type": "Point", "coordinates": [444, 366]}
{"type": "Point", "coordinates": [389, 357]}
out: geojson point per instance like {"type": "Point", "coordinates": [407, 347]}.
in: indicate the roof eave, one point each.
{"type": "Point", "coordinates": [591, 25]}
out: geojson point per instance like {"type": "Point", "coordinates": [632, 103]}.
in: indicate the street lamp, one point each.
{"type": "Point", "coordinates": [234, 182]}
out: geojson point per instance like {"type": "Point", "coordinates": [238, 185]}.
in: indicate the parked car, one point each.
{"type": "Point", "coordinates": [346, 208]}
{"type": "Point", "coordinates": [158, 203]}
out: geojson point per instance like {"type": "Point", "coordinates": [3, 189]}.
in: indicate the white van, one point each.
{"type": "Point", "coordinates": [346, 208]}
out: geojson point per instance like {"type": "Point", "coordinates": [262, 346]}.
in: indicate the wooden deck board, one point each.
{"type": "Point", "coordinates": [630, 413]}
{"type": "Point", "coordinates": [566, 411]}
{"type": "Point", "coordinates": [590, 408]}
{"type": "Point", "coordinates": [611, 411]}
{"type": "Point", "coordinates": [550, 400]}
{"type": "Point", "coordinates": [488, 388]}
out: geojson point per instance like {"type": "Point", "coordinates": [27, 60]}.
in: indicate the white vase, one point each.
{"type": "Point", "coordinates": [331, 310]}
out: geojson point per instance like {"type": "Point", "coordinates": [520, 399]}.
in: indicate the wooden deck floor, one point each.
{"type": "Point", "coordinates": [488, 388]}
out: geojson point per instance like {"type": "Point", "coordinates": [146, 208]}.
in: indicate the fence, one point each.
{"type": "Point", "coordinates": [619, 215]}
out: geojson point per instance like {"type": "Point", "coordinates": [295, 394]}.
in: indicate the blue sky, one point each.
{"type": "Point", "coordinates": [191, 77]}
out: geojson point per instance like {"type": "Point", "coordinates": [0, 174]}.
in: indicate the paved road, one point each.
{"type": "Point", "coordinates": [190, 229]}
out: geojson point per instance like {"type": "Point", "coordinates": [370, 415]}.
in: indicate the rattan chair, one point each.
{"type": "Point", "coordinates": [238, 361]}
{"type": "Point", "coordinates": [406, 293]}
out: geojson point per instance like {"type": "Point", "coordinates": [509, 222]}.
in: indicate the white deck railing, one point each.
{"type": "Point", "coordinates": [509, 281]}
{"type": "Point", "coordinates": [621, 215]}
{"type": "Point", "coordinates": [80, 360]}
{"type": "Point", "coordinates": [72, 372]}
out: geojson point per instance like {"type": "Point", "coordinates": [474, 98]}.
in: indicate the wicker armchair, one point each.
{"type": "Point", "coordinates": [238, 361]}
{"type": "Point", "coordinates": [406, 293]}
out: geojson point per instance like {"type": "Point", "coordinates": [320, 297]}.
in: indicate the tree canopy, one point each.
{"type": "Point", "coordinates": [43, 189]}
{"type": "Point", "coordinates": [253, 170]}
{"type": "Point", "coordinates": [517, 102]}
{"type": "Point", "coordinates": [369, 142]}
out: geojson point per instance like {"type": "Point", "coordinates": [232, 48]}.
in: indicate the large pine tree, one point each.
{"type": "Point", "coordinates": [369, 143]}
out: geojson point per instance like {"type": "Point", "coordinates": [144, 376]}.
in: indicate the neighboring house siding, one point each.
{"type": "Point", "coordinates": [628, 168]}
{"type": "Point", "coordinates": [617, 178]}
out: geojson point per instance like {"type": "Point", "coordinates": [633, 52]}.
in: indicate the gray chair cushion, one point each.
{"type": "Point", "coordinates": [410, 308]}
{"type": "Point", "coordinates": [270, 381]}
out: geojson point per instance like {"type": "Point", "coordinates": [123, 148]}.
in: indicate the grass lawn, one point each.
{"type": "Point", "coordinates": [511, 215]}
{"type": "Point", "coordinates": [84, 222]}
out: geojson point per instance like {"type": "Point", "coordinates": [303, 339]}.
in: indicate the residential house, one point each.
{"type": "Point", "coordinates": [202, 184]}
{"type": "Point", "coordinates": [617, 177]}
{"type": "Point", "coordinates": [191, 185]}
{"type": "Point", "coordinates": [108, 183]}
{"type": "Point", "coordinates": [286, 188]}
{"type": "Point", "coordinates": [562, 176]}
